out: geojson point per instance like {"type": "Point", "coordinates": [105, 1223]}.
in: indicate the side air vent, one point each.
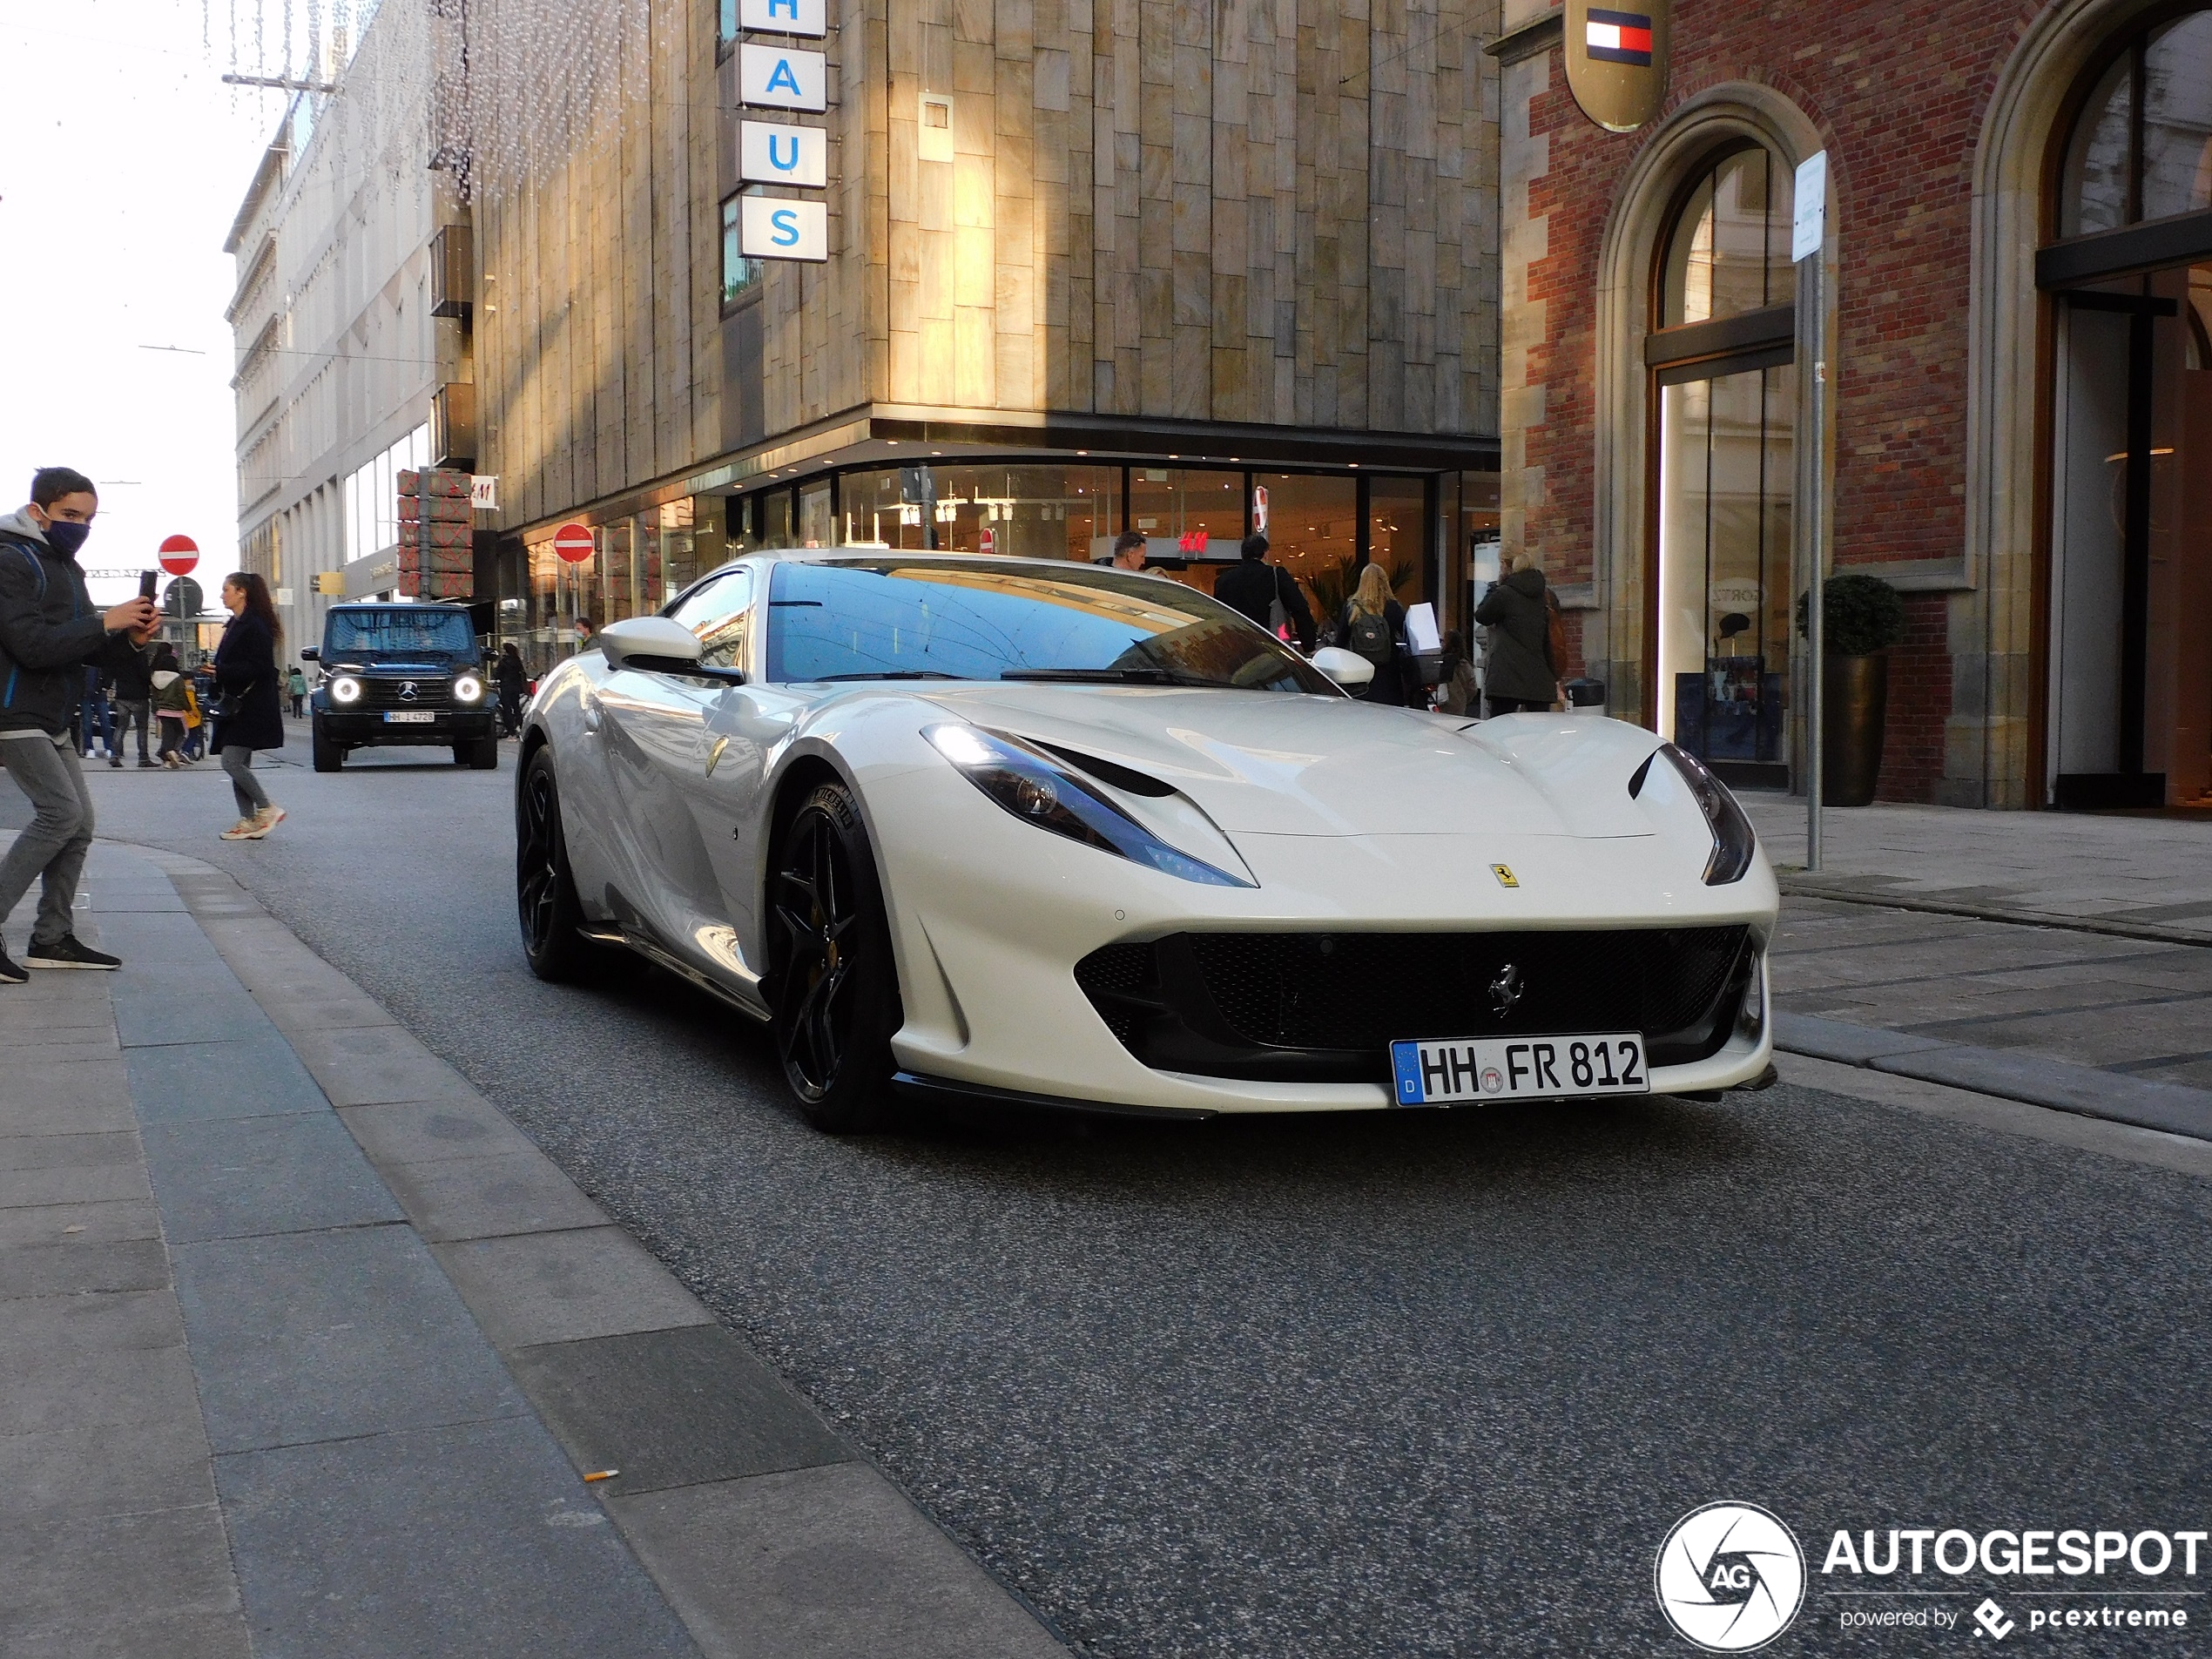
{"type": "Point", "coordinates": [1121, 777]}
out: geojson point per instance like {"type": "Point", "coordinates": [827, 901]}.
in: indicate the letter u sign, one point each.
{"type": "Point", "coordinates": [773, 154]}
{"type": "Point", "coordinates": [782, 77]}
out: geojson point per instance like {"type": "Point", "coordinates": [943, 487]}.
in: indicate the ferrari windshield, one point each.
{"type": "Point", "coordinates": [407, 633]}
{"type": "Point", "coordinates": [969, 619]}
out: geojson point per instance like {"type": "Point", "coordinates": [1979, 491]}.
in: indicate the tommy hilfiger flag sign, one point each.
{"type": "Point", "coordinates": [1618, 37]}
{"type": "Point", "coordinates": [1616, 60]}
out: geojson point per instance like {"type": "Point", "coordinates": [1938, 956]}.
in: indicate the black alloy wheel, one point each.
{"type": "Point", "coordinates": [544, 890]}
{"type": "Point", "coordinates": [837, 989]}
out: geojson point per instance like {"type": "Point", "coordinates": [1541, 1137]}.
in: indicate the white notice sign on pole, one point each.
{"type": "Point", "coordinates": [1809, 225]}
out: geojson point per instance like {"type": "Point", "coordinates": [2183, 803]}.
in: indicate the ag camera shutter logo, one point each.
{"type": "Point", "coordinates": [1730, 1578]}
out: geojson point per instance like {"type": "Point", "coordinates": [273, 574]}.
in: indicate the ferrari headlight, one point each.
{"type": "Point", "coordinates": [345, 690]}
{"type": "Point", "coordinates": [1040, 791]}
{"type": "Point", "coordinates": [467, 688]}
{"type": "Point", "coordinates": [1733, 840]}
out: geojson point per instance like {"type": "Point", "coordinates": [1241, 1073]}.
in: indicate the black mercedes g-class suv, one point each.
{"type": "Point", "coordinates": [401, 673]}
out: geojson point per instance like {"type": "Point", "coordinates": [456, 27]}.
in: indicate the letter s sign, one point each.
{"type": "Point", "coordinates": [771, 227]}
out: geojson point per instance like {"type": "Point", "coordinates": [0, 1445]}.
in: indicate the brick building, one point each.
{"type": "Point", "coordinates": [2018, 282]}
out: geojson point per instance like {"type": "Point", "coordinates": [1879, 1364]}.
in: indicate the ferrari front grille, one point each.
{"type": "Point", "coordinates": [1326, 1005]}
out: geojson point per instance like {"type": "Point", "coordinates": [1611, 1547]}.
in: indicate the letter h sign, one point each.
{"type": "Point", "coordinates": [807, 17]}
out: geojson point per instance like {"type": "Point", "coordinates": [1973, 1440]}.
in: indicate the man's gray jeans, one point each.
{"type": "Point", "coordinates": [60, 834]}
{"type": "Point", "coordinates": [130, 712]}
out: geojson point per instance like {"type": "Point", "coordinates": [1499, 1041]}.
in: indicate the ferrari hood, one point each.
{"type": "Point", "coordinates": [1277, 763]}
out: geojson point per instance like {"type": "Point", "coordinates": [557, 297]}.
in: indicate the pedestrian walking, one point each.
{"type": "Point", "coordinates": [201, 693]}
{"type": "Point", "coordinates": [295, 687]}
{"type": "Point", "coordinates": [1255, 587]}
{"type": "Point", "coordinates": [94, 720]}
{"type": "Point", "coordinates": [1373, 626]}
{"type": "Point", "coordinates": [1128, 551]}
{"type": "Point", "coordinates": [49, 633]}
{"type": "Point", "coordinates": [133, 702]}
{"type": "Point", "coordinates": [1456, 693]}
{"type": "Point", "coordinates": [1519, 676]}
{"type": "Point", "coordinates": [247, 717]}
{"type": "Point", "coordinates": [173, 707]}
{"type": "Point", "coordinates": [512, 680]}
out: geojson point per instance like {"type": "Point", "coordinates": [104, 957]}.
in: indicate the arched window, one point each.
{"type": "Point", "coordinates": [1722, 362]}
{"type": "Point", "coordinates": [2141, 148]}
{"type": "Point", "coordinates": [1730, 249]}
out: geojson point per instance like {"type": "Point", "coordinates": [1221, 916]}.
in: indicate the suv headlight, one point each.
{"type": "Point", "coordinates": [1041, 791]}
{"type": "Point", "coordinates": [467, 688]}
{"type": "Point", "coordinates": [345, 690]}
{"type": "Point", "coordinates": [1733, 840]}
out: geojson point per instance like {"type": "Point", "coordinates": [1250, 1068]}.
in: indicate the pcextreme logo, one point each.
{"type": "Point", "coordinates": [1730, 1578]}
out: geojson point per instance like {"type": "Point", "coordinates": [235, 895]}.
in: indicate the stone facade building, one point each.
{"type": "Point", "coordinates": [2017, 283]}
{"type": "Point", "coordinates": [1093, 264]}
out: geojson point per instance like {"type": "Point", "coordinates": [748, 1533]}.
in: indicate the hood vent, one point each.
{"type": "Point", "coordinates": [1123, 777]}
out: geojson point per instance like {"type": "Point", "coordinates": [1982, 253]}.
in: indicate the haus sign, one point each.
{"type": "Point", "coordinates": [776, 75]}
{"type": "Point", "coordinates": [1616, 60]}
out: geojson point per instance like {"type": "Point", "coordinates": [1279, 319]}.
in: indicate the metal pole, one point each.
{"type": "Point", "coordinates": [1816, 599]}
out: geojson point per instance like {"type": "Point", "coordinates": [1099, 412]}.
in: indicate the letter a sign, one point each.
{"type": "Point", "coordinates": [1616, 60]}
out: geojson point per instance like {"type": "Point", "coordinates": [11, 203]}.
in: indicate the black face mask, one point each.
{"type": "Point", "coordinates": [65, 537]}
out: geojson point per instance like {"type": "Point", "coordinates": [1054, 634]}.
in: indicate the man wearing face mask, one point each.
{"type": "Point", "coordinates": [49, 634]}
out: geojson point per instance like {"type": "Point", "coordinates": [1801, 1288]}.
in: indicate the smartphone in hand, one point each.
{"type": "Point", "coordinates": [148, 581]}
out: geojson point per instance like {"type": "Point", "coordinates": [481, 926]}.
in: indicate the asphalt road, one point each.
{"type": "Point", "coordinates": [1420, 1384]}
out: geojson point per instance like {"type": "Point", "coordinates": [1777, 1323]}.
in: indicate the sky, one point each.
{"type": "Point", "coordinates": [123, 161]}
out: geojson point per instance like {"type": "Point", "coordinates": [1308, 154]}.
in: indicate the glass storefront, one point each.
{"type": "Point", "coordinates": [1184, 511]}
{"type": "Point", "coordinates": [1725, 497]}
{"type": "Point", "coordinates": [1023, 511]}
{"type": "Point", "coordinates": [1725, 475]}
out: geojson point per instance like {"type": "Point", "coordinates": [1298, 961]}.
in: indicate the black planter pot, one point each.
{"type": "Point", "coordinates": [1855, 694]}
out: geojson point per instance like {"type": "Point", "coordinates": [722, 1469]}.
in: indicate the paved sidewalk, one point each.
{"type": "Point", "coordinates": [305, 1349]}
{"type": "Point", "coordinates": [2150, 875]}
{"type": "Point", "coordinates": [2060, 959]}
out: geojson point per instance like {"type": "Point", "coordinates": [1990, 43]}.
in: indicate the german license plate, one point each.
{"type": "Point", "coordinates": [1439, 1072]}
{"type": "Point", "coordinates": [409, 717]}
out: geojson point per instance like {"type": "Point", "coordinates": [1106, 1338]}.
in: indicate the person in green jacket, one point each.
{"type": "Point", "coordinates": [1518, 673]}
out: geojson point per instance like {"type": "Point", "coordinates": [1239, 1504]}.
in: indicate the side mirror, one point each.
{"type": "Point", "coordinates": [649, 642]}
{"type": "Point", "coordinates": [309, 654]}
{"type": "Point", "coordinates": [1348, 668]}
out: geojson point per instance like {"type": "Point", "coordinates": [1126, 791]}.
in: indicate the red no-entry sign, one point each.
{"type": "Point", "coordinates": [178, 554]}
{"type": "Point", "coordinates": [573, 543]}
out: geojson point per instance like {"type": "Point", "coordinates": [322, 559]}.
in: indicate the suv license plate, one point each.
{"type": "Point", "coordinates": [409, 717]}
{"type": "Point", "coordinates": [1442, 1071]}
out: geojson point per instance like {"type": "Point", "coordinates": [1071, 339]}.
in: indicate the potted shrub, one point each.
{"type": "Point", "coordinates": [1862, 617]}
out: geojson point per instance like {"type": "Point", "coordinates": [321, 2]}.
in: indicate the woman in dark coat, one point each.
{"type": "Point", "coordinates": [246, 674]}
{"type": "Point", "coordinates": [1518, 675]}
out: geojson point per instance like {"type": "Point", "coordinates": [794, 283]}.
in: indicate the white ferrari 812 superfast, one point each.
{"type": "Point", "coordinates": [1043, 832]}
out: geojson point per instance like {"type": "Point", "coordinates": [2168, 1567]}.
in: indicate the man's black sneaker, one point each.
{"type": "Point", "coordinates": [69, 951]}
{"type": "Point", "coordinates": [10, 974]}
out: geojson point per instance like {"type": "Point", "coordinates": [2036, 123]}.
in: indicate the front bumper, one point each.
{"type": "Point", "coordinates": [370, 727]}
{"type": "Point", "coordinates": [991, 918]}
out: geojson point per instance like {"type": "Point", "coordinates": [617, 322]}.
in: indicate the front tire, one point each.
{"type": "Point", "coordinates": [836, 986]}
{"type": "Point", "coordinates": [544, 888]}
{"type": "Point", "coordinates": [329, 756]}
{"type": "Point", "coordinates": [483, 754]}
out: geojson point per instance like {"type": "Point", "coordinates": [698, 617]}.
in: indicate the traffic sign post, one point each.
{"type": "Point", "coordinates": [573, 543]}
{"type": "Point", "coordinates": [1808, 235]}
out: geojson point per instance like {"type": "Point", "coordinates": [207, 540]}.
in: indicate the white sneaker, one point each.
{"type": "Point", "coordinates": [263, 821]}
{"type": "Point", "coordinates": [241, 830]}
